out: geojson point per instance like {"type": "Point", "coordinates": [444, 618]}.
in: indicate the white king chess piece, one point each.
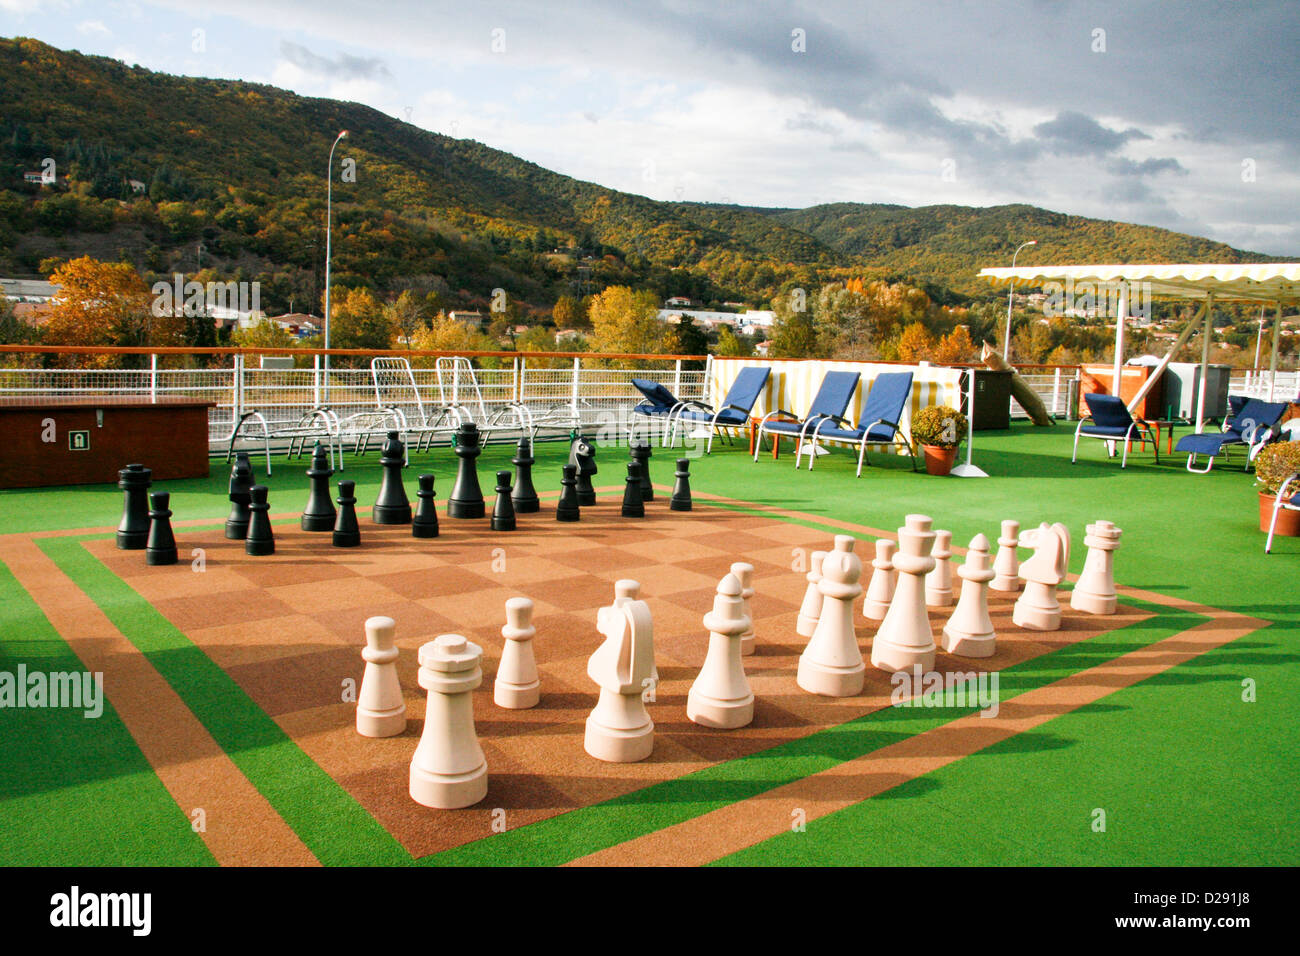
{"type": "Point", "coordinates": [904, 640]}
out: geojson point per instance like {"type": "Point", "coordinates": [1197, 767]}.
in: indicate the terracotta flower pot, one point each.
{"type": "Point", "coordinates": [1288, 522]}
{"type": "Point", "coordinates": [938, 460]}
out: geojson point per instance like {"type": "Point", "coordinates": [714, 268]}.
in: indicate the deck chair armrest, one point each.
{"type": "Point", "coordinates": [1282, 493]}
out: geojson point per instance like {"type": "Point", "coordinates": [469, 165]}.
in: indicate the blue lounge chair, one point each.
{"type": "Point", "coordinates": [1109, 420]}
{"type": "Point", "coordinates": [659, 404]}
{"type": "Point", "coordinates": [828, 404]}
{"type": "Point", "coordinates": [734, 412]}
{"type": "Point", "coordinates": [879, 422]}
{"type": "Point", "coordinates": [1252, 425]}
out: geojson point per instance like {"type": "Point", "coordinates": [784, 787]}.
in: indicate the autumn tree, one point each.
{"type": "Point", "coordinates": [403, 315]}
{"type": "Point", "coordinates": [730, 345]}
{"type": "Point", "coordinates": [264, 334]}
{"type": "Point", "coordinates": [446, 334]}
{"type": "Point", "coordinates": [359, 321]}
{"type": "Point", "coordinates": [915, 344]}
{"type": "Point", "coordinates": [623, 320]}
{"type": "Point", "coordinates": [955, 348]}
{"type": "Point", "coordinates": [103, 303]}
{"type": "Point", "coordinates": [569, 314]}
{"type": "Point", "coordinates": [794, 334]}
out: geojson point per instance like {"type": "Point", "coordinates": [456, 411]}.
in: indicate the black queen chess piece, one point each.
{"type": "Point", "coordinates": [681, 500]}
{"type": "Point", "coordinates": [524, 495]}
{"type": "Point", "coordinates": [347, 533]}
{"type": "Point", "coordinates": [392, 506]}
{"type": "Point", "coordinates": [260, 541]}
{"type": "Point", "coordinates": [319, 515]}
{"type": "Point", "coordinates": [466, 499]}
{"type": "Point", "coordinates": [567, 508]}
{"type": "Point", "coordinates": [241, 480]}
{"type": "Point", "coordinates": [641, 454]}
{"type": "Point", "coordinates": [161, 548]}
{"type": "Point", "coordinates": [133, 531]}
{"type": "Point", "coordinates": [503, 510]}
{"type": "Point", "coordinates": [633, 503]}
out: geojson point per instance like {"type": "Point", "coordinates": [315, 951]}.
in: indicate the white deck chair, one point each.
{"type": "Point", "coordinates": [397, 396]}
{"type": "Point", "coordinates": [459, 390]}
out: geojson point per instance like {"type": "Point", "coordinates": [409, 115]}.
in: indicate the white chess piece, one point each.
{"type": "Point", "coordinates": [811, 609]}
{"type": "Point", "coordinates": [904, 640]}
{"type": "Point", "coordinates": [938, 583]}
{"type": "Point", "coordinates": [448, 770]}
{"type": "Point", "coordinates": [969, 632]}
{"type": "Point", "coordinates": [625, 590]}
{"type": "Point", "coordinates": [1007, 564]}
{"type": "Point", "coordinates": [381, 709]}
{"type": "Point", "coordinates": [517, 686]}
{"type": "Point", "coordinates": [720, 696]}
{"type": "Point", "coordinates": [831, 664]}
{"type": "Point", "coordinates": [880, 591]}
{"type": "Point", "coordinates": [1038, 609]}
{"type": "Point", "coordinates": [1094, 593]}
{"type": "Point", "coordinates": [745, 575]}
{"type": "Point", "coordinates": [619, 729]}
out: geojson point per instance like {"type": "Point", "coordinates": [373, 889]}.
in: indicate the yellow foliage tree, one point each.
{"type": "Point", "coordinates": [955, 347]}
{"type": "Point", "coordinates": [102, 303]}
{"type": "Point", "coordinates": [915, 343]}
{"type": "Point", "coordinates": [448, 335]}
{"type": "Point", "coordinates": [625, 321]}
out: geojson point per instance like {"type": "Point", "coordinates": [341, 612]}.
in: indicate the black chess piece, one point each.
{"type": "Point", "coordinates": [133, 531]}
{"type": "Point", "coordinates": [585, 454]}
{"type": "Point", "coordinates": [161, 548]}
{"type": "Point", "coordinates": [319, 514]}
{"type": "Point", "coordinates": [633, 503]}
{"type": "Point", "coordinates": [567, 509]}
{"type": "Point", "coordinates": [525, 495]}
{"type": "Point", "coordinates": [466, 499]}
{"type": "Point", "coordinates": [347, 533]}
{"type": "Point", "coordinates": [681, 500]}
{"type": "Point", "coordinates": [641, 454]}
{"type": "Point", "coordinates": [425, 522]}
{"type": "Point", "coordinates": [241, 479]}
{"type": "Point", "coordinates": [392, 506]}
{"type": "Point", "coordinates": [503, 512]}
{"type": "Point", "coordinates": [260, 540]}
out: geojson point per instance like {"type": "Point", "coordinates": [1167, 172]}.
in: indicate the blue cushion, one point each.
{"type": "Point", "coordinates": [645, 408]}
{"type": "Point", "coordinates": [1106, 431]}
{"type": "Point", "coordinates": [1107, 411]}
{"type": "Point", "coordinates": [728, 416]}
{"type": "Point", "coordinates": [889, 394]}
{"type": "Point", "coordinates": [1207, 443]}
{"type": "Point", "coordinates": [785, 427]}
{"type": "Point", "coordinates": [655, 393]}
{"type": "Point", "coordinates": [877, 433]}
{"type": "Point", "coordinates": [748, 385]}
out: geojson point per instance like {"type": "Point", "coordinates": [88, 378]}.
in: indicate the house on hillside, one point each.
{"type": "Point", "coordinates": [680, 302]}
{"type": "Point", "coordinates": [136, 185]}
{"type": "Point", "coordinates": [474, 319]}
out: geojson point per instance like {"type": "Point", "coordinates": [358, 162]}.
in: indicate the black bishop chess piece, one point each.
{"type": "Point", "coordinates": [641, 455]}
{"type": "Point", "coordinates": [681, 500]}
{"type": "Point", "coordinates": [133, 531]}
{"type": "Point", "coordinates": [583, 453]}
{"type": "Point", "coordinates": [347, 533]}
{"type": "Point", "coordinates": [392, 506]}
{"type": "Point", "coordinates": [425, 522]}
{"type": "Point", "coordinates": [319, 514]}
{"type": "Point", "coordinates": [503, 512]}
{"type": "Point", "coordinates": [567, 509]}
{"type": "Point", "coordinates": [633, 503]}
{"type": "Point", "coordinates": [241, 480]}
{"type": "Point", "coordinates": [260, 540]}
{"type": "Point", "coordinates": [466, 499]}
{"type": "Point", "coordinates": [524, 495]}
{"type": "Point", "coordinates": [161, 548]}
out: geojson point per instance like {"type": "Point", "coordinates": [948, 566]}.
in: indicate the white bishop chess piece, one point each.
{"type": "Point", "coordinates": [880, 591]}
{"type": "Point", "coordinates": [831, 664]}
{"type": "Point", "coordinates": [905, 640]}
{"type": "Point", "coordinates": [1038, 609]}
{"type": "Point", "coordinates": [619, 729]}
{"type": "Point", "coordinates": [811, 609]}
{"type": "Point", "coordinates": [720, 696]}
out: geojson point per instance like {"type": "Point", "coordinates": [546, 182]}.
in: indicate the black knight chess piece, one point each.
{"type": "Point", "coordinates": [425, 522]}
{"type": "Point", "coordinates": [567, 509]}
{"type": "Point", "coordinates": [241, 480]}
{"type": "Point", "coordinates": [524, 495]}
{"type": "Point", "coordinates": [260, 540]}
{"type": "Point", "coordinates": [133, 531]}
{"type": "Point", "coordinates": [392, 506]}
{"type": "Point", "coordinates": [319, 514]}
{"type": "Point", "coordinates": [347, 533]}
{"type": "Point", "coordinates": [161, 548]}
{"type": "Point", "coordinates": [633, 503]}
{"type": "Point", "coordinates": [466, 499]}
{"type": "Point", "coordinates": [503, 511]}
{"type": "Point", "coordinates": [641, 454]}
{"type": "Point", "coordinates": [584, 455]}
{"type": "Point", "coordinates": [681, 500]}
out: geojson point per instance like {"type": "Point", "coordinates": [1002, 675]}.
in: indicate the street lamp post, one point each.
{"type": "Point", "coordinates": [329, 198]}
{"type": "Point", "coordinates": [1011, 290]}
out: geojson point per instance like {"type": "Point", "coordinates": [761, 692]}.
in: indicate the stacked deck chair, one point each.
{"type": "Point", "coordinates": [658, 405]}
{"type": "Point", "coordinates": [734, 412]}
{"type": "Point", "coordinates": [828, 405]}
{"type": "Point", "coordinates": [1252, 425]}
{"type": "Point", "coordinates": [878, 424]}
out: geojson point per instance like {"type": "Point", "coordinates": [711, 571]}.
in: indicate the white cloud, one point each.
{"type": "Point", "coordinates": [93, 28]}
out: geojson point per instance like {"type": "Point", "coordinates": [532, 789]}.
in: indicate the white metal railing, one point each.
{"type": "Point", "coordinates": [1255, 384]}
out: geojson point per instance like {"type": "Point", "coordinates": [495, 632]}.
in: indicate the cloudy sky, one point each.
{"type": "Point", "coordinates": [1175, 114]}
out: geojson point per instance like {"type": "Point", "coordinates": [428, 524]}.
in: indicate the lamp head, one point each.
{"type": "Point", "coordinates": [343, 134]}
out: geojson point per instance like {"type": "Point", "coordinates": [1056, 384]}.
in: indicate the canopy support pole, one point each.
{"type": "Point", "coordinates": [970, 469]}
{"type": "Point", "coordinates": [1119, 338]}
{"type": "Point", "coordinates": [1205, 363]}
{"type": "Point", "coordinates": [1169, 356]}
{"type": "Point", "coordinates": [1272, 365]}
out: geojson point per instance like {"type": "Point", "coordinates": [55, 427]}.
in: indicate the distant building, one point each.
{"type": "Point", "coordinates": [566, 335]}
{"type": "Point", "coordinates": [28, 290]}
{"type": "Point", "coordinates": [33, 313]}
{"type": "Point", "coordinates": [471, 318]}
{"type": "Point", "coordinates": [136, 185]}
{"type": "Point", "coordinates": [680, 302]}
{"type": "Point", "coordinates": [761, 349]}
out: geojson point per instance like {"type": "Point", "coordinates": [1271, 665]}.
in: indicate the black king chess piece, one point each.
{"type": "Point", "coordinates": [466, 499]}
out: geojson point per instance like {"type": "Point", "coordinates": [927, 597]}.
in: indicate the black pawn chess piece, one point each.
{"type": "Point", "coordinates": [392, 506]}
{"type": "Point", "coordinates": [347, 533]}
{"type": "Point", "coordinates": [425, 522]}
{"type": "Point", "coordinates": [466, 499]}
{"type": "Point", "coordinates": [585, 454]}
{"type": "Point", "coordinates": [641, 454]}
{"type": "Point", "coordinates": [525, 495]}
{"type": "Point", "coordinates": [633, 503]}
{"type": "Point", "coordinates": [260, 540]}
{"type": "Point", "coordinates": [319, 514]}
{"type": "Point", "coordinates": [567, 509]}
{"type": "Point", "coordinates": [241, 480]}
{"type": "Point", "coordinates": [133, 531]}
{"type": "Point", "coordinates": [681, 500]}
{"type": "Point", "coordinates": [161, 548]}
{"type": "Point", "coordinates": [503, 512]}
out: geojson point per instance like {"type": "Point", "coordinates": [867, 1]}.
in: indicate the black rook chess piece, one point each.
{"type": "Point", "coordinates": [425, 522]}
{"type": "Point", "coordinates": [566, 509]}
{"type": "Point", "coordinates": [241, 479]}
{"type": "Point", "coordinates": [641, 454]}
{"type": "Point", "coordinates": [681, 500]}
{"type": "Point", "coordinates": [633, 503]}
{"type": "Point", "coordinates": [503, 512]}
{"type": "Point", "coordinates": [161, 548]}
{"type": "Point", "coordinates": [347, 533]}
{"type": "Point", "coordinates": [584, 454]}
{"type": "Point", "coordinates": [392, 506]}
{"type": "Point", "coordinates": [260, 540]}
{"type": "Point", "coordinates": [319, 514]}
{"type": "Point", "coordinates": [525, 495]}
{"type": "Point", "coordinates": [133, 531]}
{"type": "Point", "coordinates": [466, 499]}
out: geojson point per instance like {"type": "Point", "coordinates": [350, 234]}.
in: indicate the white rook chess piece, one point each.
{"type": "Point", "coordinates": [517, 685]}
{"type": "Point", "coordinates": [1095, 591]}
{"type": "Point", "coordinates": [811, 609]}
{"type": "Point", "coordinates": [883, 578]}
{"type": "Point", "coordinates": [831, 664]}
{"type": "Point", "coordinates": [938, 583]}
{"type": "Point", "coordinates": [625, 590]}
{"type": "Point", "coordinates": [969, 632]}
{"type": "Point", "coordinates": [448, 770]}
{"type": "Point", "coordinates": [720, 696]}
{"type": "Point", "coordinates": [745, 575]}
{"type": "Point", "coordinates": [1006, 566]}
{"type": "Point", "coordinates": [619, 729]}
{"type": "Point", "coordinates": [905, 640]}
{"type": "Point", "coordinates": [1038, 609]}
{"type": "Point", "coordinates": [381, 709]}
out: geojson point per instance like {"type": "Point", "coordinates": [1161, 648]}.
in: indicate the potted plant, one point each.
{"type": "Point", "coordinates": [938, 430]}
{"type": "Point", "coordinates": [1273, 466]}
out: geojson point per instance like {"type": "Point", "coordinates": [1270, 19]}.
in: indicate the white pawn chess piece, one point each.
{"type": "Point", "coordinates": [625, 590]}
{"type": "Point", "coordinates": [880, 591]}
{"type": "Point", "coordinates": [904, 640]}
{"type": "Point", "coordinates": [619, 729]}
{"type": "Point", "coordinates": [831, 664]}
{"type": "Point", "coordinates": [517, 685]}
{"type": "Point", "coordinates": [938, 583]}
{"type": "Point", "coordinates": [1006, 566]}
{"type": "Point", "coordinates": [745, 575]}
{"type": "Point", "coordinates": [1094, 593]}
{"type": "Point", "coordinates": [811, 609]}
{"type": "Point", "coordinates": [1038, 609]}
{"type": "Point", "coordinates": [448, 770]}
{"type": "Point", "coordinates": [720, 696]}
{"type": "Point", "coordinates": [969, 632]}
{"type": "Point", "coordinates": [381, 709]}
